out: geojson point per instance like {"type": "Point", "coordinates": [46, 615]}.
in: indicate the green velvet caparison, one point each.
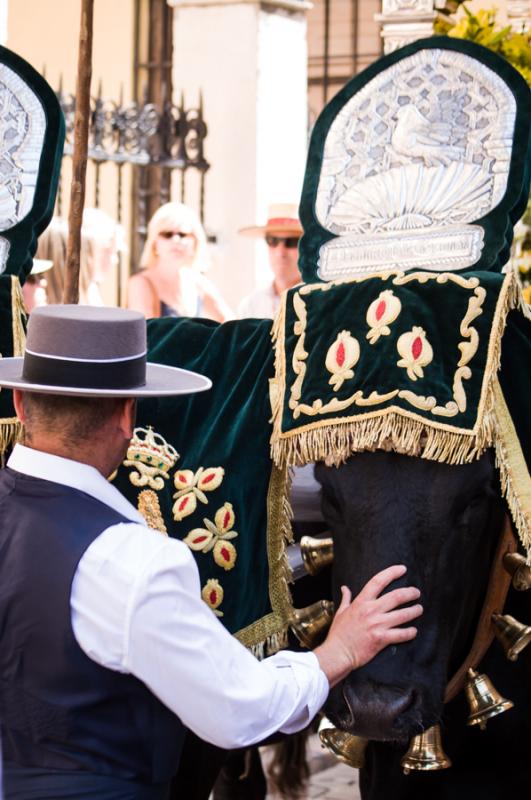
{"type": "Point", "coordinates": [438, 308]}
{"type": "Point", "coordinates": [228, 426]}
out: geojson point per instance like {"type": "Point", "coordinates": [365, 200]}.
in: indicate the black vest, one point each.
{"type": "Point", "coordinates": [63, 717]}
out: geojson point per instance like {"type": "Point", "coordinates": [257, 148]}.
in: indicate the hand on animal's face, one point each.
{"type": "Point", "coordinates": [364, 626]}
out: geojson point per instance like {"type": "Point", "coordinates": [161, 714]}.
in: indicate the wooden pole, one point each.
{"type": "Point", "coordinates": [79, 157]}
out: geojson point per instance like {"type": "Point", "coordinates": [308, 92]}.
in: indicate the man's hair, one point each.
{"type": "Point", "coordinates": [70, 418]}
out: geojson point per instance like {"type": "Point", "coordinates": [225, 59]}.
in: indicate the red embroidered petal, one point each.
{"type": "Point", "coordinates": [380, 310]}
{"type": "Point", "coordinates": [416, 347]}
{"type": "Point", "coordinates": [340, 354]}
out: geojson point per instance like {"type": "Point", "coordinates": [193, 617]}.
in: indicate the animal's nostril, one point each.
{"type": "Point", "coordinates": [373, 710]}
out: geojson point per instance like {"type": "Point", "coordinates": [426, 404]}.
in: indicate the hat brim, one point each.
{"type": "Point", "coordinates": [262, 230]}
{"type": "Point", "coordinates": [161, 381]}
{"type": "Point", "coordinates": [41, 265]}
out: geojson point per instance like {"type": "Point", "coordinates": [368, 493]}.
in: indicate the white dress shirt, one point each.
{"type": "Point", "coordinates": [262, 303]}
{"type": "Point", "coordinates": [136, 608]}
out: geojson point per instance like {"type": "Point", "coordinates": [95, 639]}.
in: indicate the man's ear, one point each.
{"type": "Point", "coordinates": [18, 402]}
{"type": "Point", "coordinates": [127, 417]}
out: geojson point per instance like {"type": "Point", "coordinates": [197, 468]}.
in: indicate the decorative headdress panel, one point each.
{"type": "Point", "coordinates": [31, 146]}
{"type": "Point", "coordinates": [418, 163]}
{"type": "Point", "coordinates": [416, 173]}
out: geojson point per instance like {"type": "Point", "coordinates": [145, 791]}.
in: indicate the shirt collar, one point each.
{"type": "Point", "coordinates": [74, 474]}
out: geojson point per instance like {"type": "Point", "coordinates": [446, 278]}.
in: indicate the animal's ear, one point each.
{"type": "Point", "coordinates": [420, 162]}
{"type": "Point", "coordinates": [31, 138]}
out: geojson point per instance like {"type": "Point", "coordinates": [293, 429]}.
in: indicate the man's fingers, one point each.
{"type": "Point", "coordinates": [397, 598]}
{"type": "Point", "coordinates": [394, 618]}
{"type": "Point", "coordinates": [398, 635]}
{"type": "Point", "coordinates": [346, 597]}
{"type": "Point", "coordinates": [378, 582]}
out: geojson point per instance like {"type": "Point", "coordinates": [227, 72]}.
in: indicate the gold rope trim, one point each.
{"type": "Point", "coordinates": [514, 475]}
{"type": "Point", "coordinates": [19, 317]}
{"type": "Point", "coordinates": [334, 440]}
{"type": "Point", "coordinates": [270, 633]}
{"type": "Point", "coordinates": [11, 429]}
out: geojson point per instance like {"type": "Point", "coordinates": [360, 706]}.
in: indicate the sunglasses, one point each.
{"type": "Point", "coordinates": [288, 241]}
{"type": "Point", "coordinates": [171, 234]}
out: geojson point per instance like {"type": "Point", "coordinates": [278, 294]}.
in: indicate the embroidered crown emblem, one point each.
{"type": "Point", "coordinates": [152, 449]}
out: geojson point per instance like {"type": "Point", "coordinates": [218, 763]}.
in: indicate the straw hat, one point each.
{"type": "Point", "coordinates": [282, 220]}
{"type": "Point", "coordinates": [40, 265]}
{"type": "Point", "coordinates": [91, 351]}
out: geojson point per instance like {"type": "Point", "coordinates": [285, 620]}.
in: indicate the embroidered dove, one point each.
{"type": "Point", "coordinates": [418, 137]}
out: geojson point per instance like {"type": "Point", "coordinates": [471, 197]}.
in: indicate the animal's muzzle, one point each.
{"type": "Point", "coordinates": [377, 712]}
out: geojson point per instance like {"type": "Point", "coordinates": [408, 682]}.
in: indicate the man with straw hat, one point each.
{"type": "Point", "coordinates": [107, 651]}
{"type": "Point", "coordinates": [281, 233]}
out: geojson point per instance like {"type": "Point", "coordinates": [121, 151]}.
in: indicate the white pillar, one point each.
{"type": "Point", "coordinates": [3, 22]}
{"type": "Point", "coordinates": [405, 21]}
{"type": "Point", "coordinates": [250, 61]}
{"type": "Point", "coordinates": [519, 15]}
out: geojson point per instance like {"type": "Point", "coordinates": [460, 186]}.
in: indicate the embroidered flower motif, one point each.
{"type": "Point", "coordinates": [212, 594]}
{"type": "Point", "coordinates": [191, 487]}
{"type": "Point", "coordinates": [216, 536]}
{"type": "Point", "coordinates": [149, 507]}
{"type": "Point", "coordinates": [381, 312]}
{"type": "Point", "coordinates": [341, 357]}
{"type": "Point", "coordinates": [416, 352]}
{"type": "Point", "coordinates": [151, 456]}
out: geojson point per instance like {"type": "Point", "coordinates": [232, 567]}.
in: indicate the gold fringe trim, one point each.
{"type": "Point", "coordinates": [11, 429]}
{"type": "Point", "coordinates": [11, 432]}
{"type": "Point", "coordinates": [19, 317]}
{"type": "Point", "coordinates": [270, 633]}
{"type": "Point", "coordinates": [392, 428]}
{"type": "Point", "coordinates": [514, 474]}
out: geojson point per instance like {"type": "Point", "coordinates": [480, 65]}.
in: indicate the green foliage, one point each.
{"type": "Point", "coordinates": [481, 28]}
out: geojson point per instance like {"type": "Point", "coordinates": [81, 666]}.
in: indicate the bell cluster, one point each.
{"type": "Point", "coordinates": [425, 751]}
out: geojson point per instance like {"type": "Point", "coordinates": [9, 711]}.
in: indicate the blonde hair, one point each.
{"type": "Point", "coordinates": [98, 229]}
{"type": "Point", "coordinates": [175, 216]}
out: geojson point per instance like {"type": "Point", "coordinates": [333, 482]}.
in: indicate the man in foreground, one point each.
{"type": "Point", "coordinates": [107, 652]}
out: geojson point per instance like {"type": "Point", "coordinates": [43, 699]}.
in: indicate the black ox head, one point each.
{"type": "Point", "coordinates": [442, 522]}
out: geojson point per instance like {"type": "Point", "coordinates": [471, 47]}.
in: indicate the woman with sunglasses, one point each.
{"type": "Point", "coordinates": [170, 282]}
{"type": "Point", "coordinates": [281, 233]}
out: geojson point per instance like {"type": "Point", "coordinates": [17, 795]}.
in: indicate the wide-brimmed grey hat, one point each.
{"type": "Point", "coordinates": [89, 351]}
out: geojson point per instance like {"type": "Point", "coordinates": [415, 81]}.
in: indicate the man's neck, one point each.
{"type": "Point", "coordinates": [86, 453]}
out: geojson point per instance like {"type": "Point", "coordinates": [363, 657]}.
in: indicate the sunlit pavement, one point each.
{"type": "Point", "coordinates": [330, 779]}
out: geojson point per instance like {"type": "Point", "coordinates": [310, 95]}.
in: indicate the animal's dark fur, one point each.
{"type": "Point", "coordinates": [442, 522]}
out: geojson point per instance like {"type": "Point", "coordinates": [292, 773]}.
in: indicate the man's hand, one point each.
{"type": "Point", "coordinates": [363, 627]}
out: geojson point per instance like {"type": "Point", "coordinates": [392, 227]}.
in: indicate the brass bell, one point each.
{"type": "Point", "coordinates": [512, 635]}
{"type": "Point", "coordinates": [317, 553]}
{"type": "Point", "coordinates": [310, 623]}
{"type": "Point", "coordinates": [484, 701]}
{"type": "Point", "coordinates": [425, 752]}
{"type": "Point", "coordinates": [516, 565]}
{"type": "Point", "coordinates": [345, 746]}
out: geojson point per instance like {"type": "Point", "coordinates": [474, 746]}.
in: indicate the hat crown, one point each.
{"type": "Point", "coordinates": [282, 211]}
{"type": "Point", "coordinates": [86, 333]}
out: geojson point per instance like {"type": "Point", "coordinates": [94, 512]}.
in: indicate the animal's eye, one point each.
{"type": "Point", "coordinates": [472, 508]}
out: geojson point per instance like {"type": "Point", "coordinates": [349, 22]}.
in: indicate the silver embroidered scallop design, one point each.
{"type": "Point", "coordinates": [22, 129]}
{"type": "Point", "coordinates": [411, 162]}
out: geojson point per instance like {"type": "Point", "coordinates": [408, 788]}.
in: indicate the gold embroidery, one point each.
{"type": "Point", "coordinates": [208, 538]}
{"type": "Point", "coordinates": [149, 507]}
{"type": "Point", "coordinates": [191, 487]}
{"type": "Point", "coordinates": [212, 594]}
{"type": "Point", "coordinates": [151, 456]}
{"type": "Point", "coordinates": [381, 312]}
{"type": "Point", "coordinates": [416, 352]}
{"type": "Point", "coordinates": [342, 355]}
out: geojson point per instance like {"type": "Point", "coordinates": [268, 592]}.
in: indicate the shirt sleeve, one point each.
{"type": "Point", "coordinates": [136, 607]}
